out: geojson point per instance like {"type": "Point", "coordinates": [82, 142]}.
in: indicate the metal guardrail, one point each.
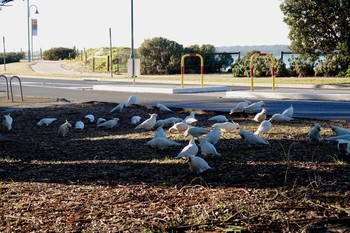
{"type": "Point", "coordinates": [7, 86]}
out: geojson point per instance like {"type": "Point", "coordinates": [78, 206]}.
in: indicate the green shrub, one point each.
{"type": "Point", "coordinates": [301, 67]}
{"type": "Point", "coordinates": [11, 57]}
{"type": "Point", "coordinates": [60, 53]}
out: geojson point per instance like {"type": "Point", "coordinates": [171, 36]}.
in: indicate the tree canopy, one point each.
{"type": "Point", "coordinates": [318, 27]}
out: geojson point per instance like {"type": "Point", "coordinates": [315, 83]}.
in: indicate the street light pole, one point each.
{"type": "Point", "coordinates": [132, 43]}
{"type": "Point", "coordinates": [28, 26]}
{"type": "Point", "coordinates": [28, 15]}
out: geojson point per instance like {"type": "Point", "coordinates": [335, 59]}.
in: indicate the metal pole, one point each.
{"type": "Point", "coordinates": [28, 15]}
{"type": "Point", "coordinates": [31, 39]}
{"type": "Point", "coordinates": [132, 42]}
{"type": "Point", "coordinates": [110, 51]}
{"type": "Point", "coordinates": [3, 41]}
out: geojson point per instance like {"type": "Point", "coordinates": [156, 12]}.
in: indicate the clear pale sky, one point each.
{"type": "Point", "coordinates": [85, 23]}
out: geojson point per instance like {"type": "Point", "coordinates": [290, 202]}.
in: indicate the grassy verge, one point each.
{"type": "Point", "coordinates": [24, 68]}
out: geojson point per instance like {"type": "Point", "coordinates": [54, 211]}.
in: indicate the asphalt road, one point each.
{"type": "Point", "coordinates": [81, 91]}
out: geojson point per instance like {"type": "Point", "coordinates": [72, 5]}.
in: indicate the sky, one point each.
{"type": "Point", "coordinates": [85, 23]}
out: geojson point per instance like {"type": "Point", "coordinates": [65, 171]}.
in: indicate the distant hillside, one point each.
{"type": "Point", "coordinates": [274, 49]}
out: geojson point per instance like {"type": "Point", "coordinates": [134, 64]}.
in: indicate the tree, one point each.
{"type": "Point", "coordinates": [160, 56]}
{"type": "Point", "coordinates": [319, 27]}
{"type": "Point", "coordinates": [212, 63]}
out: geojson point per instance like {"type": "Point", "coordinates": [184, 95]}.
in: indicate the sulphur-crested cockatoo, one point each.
{"type": "Point", "coordinates": [7, 122]}
{"type": "Point", "coordinates": [90, 118]}
{"type": "Point", "coordinates": [254, 107]}
{"type": "Point", "coordinates": [261, 116]}
{"type": "Point", "coordinates": [162, 143]}
{"type": "Point", "coordinates": [227, 126]}
{"type": "Point", "coordinates": [163, 108]}
{"type": "Point", "coordinates": [190, 149]}
{"type": "Point", "coordinates": [207, 148]}
{"type": "Point", "coordinates": [148, 123]}
{"type": "Point", "coordinates": [64, 129]}
{"type": "Point", "coordinates": [251, 138]}
{"type": "Point", "coordinates": [178, 127]}
{"type": "Point", "coordinates": [289, 111]}
{"type": "Point", "coordinates": [131, 101]}
{"type": "Point", "coordinates": [117, 108]}
{"type": "Point", "coordinates": [46, 121]}
{"type": "Point", "coordinates": [264, 127]}
{"type": "Point", "coordinates": [240, 106]}
{"type": "Point", "coordinates": [339, 130]}
{"type": "Point", "coordinates": [191, 119]}
{"type": "Point", "coordinates": [218, 118]}
{"type": "Point", "coordinates": [343, 146]}
{"type": "Point", "coordinates": [197, 164]}
{"type": "Point", "coordinates": [195, 131]}
{"type": "Point", "coordinates": [135, 120]}
{"type": "Point", "coordinates": [280, 117]}
{"type": "Point", "coordinates": [338, 137]}
{"type": "Point", "coordinates": [109, 124]}
{"type": "Point", "coordinates": [79, 125]}
{"type": "Point", "coordinates": [214, 135]}
{"type": "Point", "coordinates": [314, 133]}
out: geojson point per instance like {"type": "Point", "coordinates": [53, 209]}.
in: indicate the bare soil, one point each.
{"type": "Point", "coordinates": [109, 180]}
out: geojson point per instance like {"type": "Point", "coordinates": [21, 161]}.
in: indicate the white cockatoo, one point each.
{"type": "Point", "coordinates": [178, 127]}
{"type": "Point", "coordinates": [197, 164]}
{"type": "Point", "coordinates": [109, 124]}
{"type": "Point", "coordinates": [191, 119]}
{"type": "Point", "coordinates": [79, 125]}
{"type": "Point", "coordinates": [131, 101]}
{"type": "Point", "coordinates": [218, 118]}
{"type": "Point", "coordinates": [160, 133]}
{"type": "Point", "coordinates": [195, 131]}
{"type": "Point", "coordinates": [289, 111]}
{"type": "Point", "coordinates": [343, 146]}
{"type": "Point", "coordinates": [207, 148]}
{"type": "Point", "coordinates": [190, 149]}
{"type": "Point", "coordinates": [261, 116]}
{"type": "Point", "coordinates": [46, 121]}
{"type": "Point", "coordinates": [251, 138]}
{"type": "Point", "coordinates": [314, 133]}
{"type": "Point", "coordinates": [240, 106]}
{"type": "Point", "coordinates": [64, 129]}
{"type": "Point", "coordinates": [90, 118]}
{"type": "Point", "coordinates": [227, 126]}
{"type": "Point", "coordinates": [254, 107]}
{"type": "Point", "coordinates": [163, 108]}
{"type": "Point", "coordinates": [100, 121]}
{"type": "Point", "coordinates": [148, 123]}
{"type": "Point", "coordinates": [7, 122]}
{"type": "Point", "coordinates": [280, 117]}
{"type": "Point", "coordinates": [264, 127]}
{"type": "Point", "coordinates": [135, 120]}
{"type": "Point", "coordinates": [339, 130]}
{"type": "Point", "coordinates": [162, 143]}
{"type": "Point", "coordinates": [117, 108]}
{"type": "Point", "coordinates": [214, 135]}
{"type": "Point", "coordinates": [167, 122]}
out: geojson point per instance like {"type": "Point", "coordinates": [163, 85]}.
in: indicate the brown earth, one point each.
{"type": "Point", "coordinates": [109, 180]}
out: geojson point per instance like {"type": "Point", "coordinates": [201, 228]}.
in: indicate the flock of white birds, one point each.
{"type": "Point", "coordinates": [207, 138]}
